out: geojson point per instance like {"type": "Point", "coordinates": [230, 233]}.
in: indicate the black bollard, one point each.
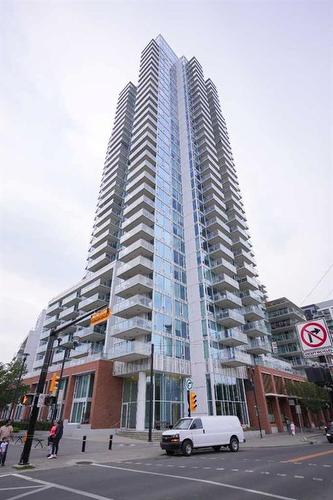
{"type": "Point", "coordinates": [84, 440]}
{"type": "Point", "coordinates": [110, 441]}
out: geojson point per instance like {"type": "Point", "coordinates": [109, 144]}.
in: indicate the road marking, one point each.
{"type": "Point", "coordinates": [281, 475]}
{"type": "Point", "coordinates": [194, 479]}
{"type": "Point", "coordinates": [265, 472]}
{"type": "Point", "coordinates": [307, 457]}
{"type": "Point", "coordinates": [235, 470]}
{"type": "Point", "coordinates": [220, 468]}
{"type": "Point", "coordinates": [326, 465]}
{"type": "Point", "coordinates": [317, 478]}
{"type": "Point", "coordinates": [207, 468]}
{"type": "Point", "coordinates": [299, 477]}
{"type": "Point", "coordinates": [248, 470]}
{"type": "Point", "coordinates": [28, 493]}
{"type": "Point", "coordinates": [314, 465]}
{"type": "Point", "coordinates": [18, 488]}
{"type": "Point", "coordinates": [182, 466]}
{"type": "Point", "coordinates": [61, 487]}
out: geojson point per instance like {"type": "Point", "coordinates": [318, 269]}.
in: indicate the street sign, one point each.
{"type": "Point", "coordinates": [188, 384]}
{"type": "Point", "coordinates": [314, 338]}
{"type": "Point", "coordinates": [100, 316]}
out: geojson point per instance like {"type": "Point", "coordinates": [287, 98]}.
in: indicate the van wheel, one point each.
{"type": "Point", "coordinates": [170, 452]}
{"type": "Point", "coordinates": [234, 444]}
{"type": "Point", "coordinates": [187, 448]}
{"type": "Point", "coordinates": [216, 448]}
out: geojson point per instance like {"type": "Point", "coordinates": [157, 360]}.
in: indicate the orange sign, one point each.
{"type": "Point", "coordinates": [100, 316]}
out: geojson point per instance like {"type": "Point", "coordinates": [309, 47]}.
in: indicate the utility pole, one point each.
{"type": "Point", "coordinates": [13, 405]}
{"type": "Point", "coordinates": [151, 394]}
{"type": "Point", "coordinates": [24, 460]}
{"type": "Point", "coordinates": [255, 400]}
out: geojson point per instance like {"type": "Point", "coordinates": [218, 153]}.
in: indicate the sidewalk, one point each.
{"type": "Point", "coordinates": [128, 449]}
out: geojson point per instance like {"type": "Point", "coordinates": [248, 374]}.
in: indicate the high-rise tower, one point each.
{"type": "Point", "coordinates": [170, 254]}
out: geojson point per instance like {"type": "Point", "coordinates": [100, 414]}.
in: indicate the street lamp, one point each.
{"type": "Point", "coordinates": [13, 405]}
{"type": "Point", "coordinates": [67, 350]}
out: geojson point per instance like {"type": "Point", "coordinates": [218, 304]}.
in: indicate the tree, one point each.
{"type": "Point", "coordinates": [9, 377]}
{"type": "Point", "coordinates": [313, 397]}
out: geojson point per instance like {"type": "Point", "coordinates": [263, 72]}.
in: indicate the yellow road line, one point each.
{"type": "Point", "coordinates": [308, 457]}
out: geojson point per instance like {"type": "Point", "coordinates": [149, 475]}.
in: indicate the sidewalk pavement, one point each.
{"type": "Point", "coordinates": [129, 449]}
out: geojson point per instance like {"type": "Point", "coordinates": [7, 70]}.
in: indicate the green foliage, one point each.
{"type": "Point", "coordinates": [9, 376]}
{"type": "Point", "coordinates": [311, 396]}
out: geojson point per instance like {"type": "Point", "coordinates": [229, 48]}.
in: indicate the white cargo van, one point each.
{"type": "Point", "coordinates": [202, 432]}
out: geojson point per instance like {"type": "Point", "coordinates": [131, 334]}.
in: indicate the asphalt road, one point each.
{"type": "Point", "coordinates": [302, 473]}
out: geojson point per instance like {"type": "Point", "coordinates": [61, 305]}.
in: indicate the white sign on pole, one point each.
{"type": "Point", "coordinates": [314, 338]}
{"type": "Point", "coordinates": [188, 384]}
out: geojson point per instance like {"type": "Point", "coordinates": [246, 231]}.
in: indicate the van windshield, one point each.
{"type": "Point", "coordinates": [183, 423]}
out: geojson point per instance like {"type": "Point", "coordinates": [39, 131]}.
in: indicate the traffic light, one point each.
{"type": "Point", "coordinates": [54, 383]}
{"type": "Point", "coordinates": [193, 401]}
{"type": "Point", "coordinates": [49, 400]}
{"type": "Point", "coordinates": [27, 399]}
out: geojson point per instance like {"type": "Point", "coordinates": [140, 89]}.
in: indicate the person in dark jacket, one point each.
{"type": "Point", "coordinates": [56, 439]}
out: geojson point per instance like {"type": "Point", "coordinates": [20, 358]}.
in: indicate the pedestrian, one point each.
{"type": "Point", "coordinates": [288, 424]}
{"type": "Point", "coordinates": [292, 428]}
{"type": "Point", "coordinates": [50, 439]}
{"type": "Point", "coordinates": [6, 433]}
{"type": "Point", "coordinates": [3, 451]}
{"type": "Point", "coordinates": [56, 439]}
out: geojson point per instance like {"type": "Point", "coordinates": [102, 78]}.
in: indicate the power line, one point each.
{"type": "Point", "coordinates": [317, 284]}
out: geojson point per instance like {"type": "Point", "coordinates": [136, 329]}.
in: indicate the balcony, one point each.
{"type": "Point", "coordinates": [69, 313]}
{"type": "Point", "coordinates": [99, 262]}
{"type": "Point", "coordinates": [242, 256]}
{"type": "Point", "coordinates": [223, 266]}
{"type": "Point", "coordinates": [132, 328]}
{"type": "Point", "coordinates": [106, 247]}
{"type": "Point", "coordinates": [216, 237]}
{"type": "Point", "coordinates": [142, 231]}
{"type": "Point", "coordinates": [253, 313]}
{"type": "Point", "coordinates": [71, 299]}
{"type": "Point", "coordinates": [137, 181]}
{"type": "Point", "coordinates": [235, 358]}
{"type": "Point", "coordinates": [91, 334]}
{"type": "Point", "coordinates": [212, 200]}
{"type": "Point", "coordinates": [229, 318]}
{"type": "Point", "coordinates": [255, 329]}
{"type": "Point", "coordinates": [227, 300]}
{"type": "Point", "coordinates": [54, 309]}
{"type": "Point", "coordinates": [215, 224]}
{"type": "Point", "coordinates": [138, 285]}
{"type": "Point", "coordinates": [240, 221]}
{"type": "Point", "coordinates": [247, 283]}
{"type": "Point", "coordinates": [215, 211]}
{"type": "Point", "coordinates": [246, 270]}
{"type": "Point", "coordinates": [250, 298]}
{"type": "Point", "coordinates": [130, 351]}
{"type": "Point", "coordinates": [259, 346]}
{"type": "Point", "coordinates": [139, 248]}
{"type": "Point", "coordinates": [233, 337]}
{"type": "Point", "coordinates": [51, 322]}
{"type": "Point", "coordinates": [139, 265]}
{"type": "Point", "coordinates": [132, 307]}
{"type": "Point", "coordinates": [163, 364]}
{"type": "Point", "coordinates": [224, 282]}
{"type": "Point", "coordinates": [97, 286]}
{"type": "Point", "coordinates": [218, 250]}
{"type": "Point", "coordinates": [107, 236]}
{"type": "Point", "coordinates": [141, 202]}
{"type": "Point", "coordinates": [143, 190]}
{"type": "Point", "coordinates": [142, 216]}
{"type": "Point", "coordinates": [81, 350]}
{"type": "Point", "coordinates": [239, 242]}
{"type": "Point", "coordinates": [94, 302]}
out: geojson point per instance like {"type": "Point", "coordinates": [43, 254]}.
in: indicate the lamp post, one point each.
{"type": "Point", "coordinates": [13, 405]}
{"type": "Point", "coordinates": [151, 393]}
{"type": "Point", "coordinates": [255, 396]}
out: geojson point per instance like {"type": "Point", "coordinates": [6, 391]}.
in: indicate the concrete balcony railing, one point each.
{"type": "Point", "coordinates": [163, 364]}
{"type": "Point", "coordinates": [223, 265]}
{"type": "Point", "coordinates": [233, 337]}
{"type": "Point", "coordinates": [141, 216]}
{"type": "Point", "coordinates": [139, 284]}
{"type": "Point", "coordinates": [139, 265]}
{"type": "Point", "coordinates": [224, 282]}
{"type": "Point", "coordinates": [69, 313]}
{"type": "Point", "coordinates": [132, 307]}
{"type": "Point", "coordinates": [235, 358]}
{"type": "Point", "coordinates": [254, 313]}
{"type": "Point", "coordinates": [139, 248]}
{"type": "Point", "coordinates": [219, 250]}
{"type": "Point", "coordinates": [227, 300]}
{"type": "Point", "coordinates": [132, 328]}
{"type": "Point", "coordinates": [130, 351]}
{"type": "Point", "coordinates": [248, 283]}
{"type": "Point", "coordinates": [229, 318]}
{"type": "Point", "coordinates": [259, 346]}
{"type": "Point", "coordinates": [141, 231]}
{"type": "Point", "coordinates": [250, 297]}
{"type": "Point", "coordinates": [256, 329]}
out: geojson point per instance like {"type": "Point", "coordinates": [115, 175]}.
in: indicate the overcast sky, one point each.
{"type": "Point", "coordinates": [62, 67]}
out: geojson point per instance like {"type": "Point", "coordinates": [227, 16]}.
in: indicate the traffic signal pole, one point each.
{"type": "Point", "coordinates": [54, 411]}
{"type": "Point", "coordinates": [24, 460]}
{"type": "Point", "coordinates": [189, 403]}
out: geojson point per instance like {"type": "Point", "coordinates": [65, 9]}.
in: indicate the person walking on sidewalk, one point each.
{"type": "Point", "coordinates": [50, 439]}
{"type": "Point", "coordinates": [3, 451]}
{"type": "Point", "coordinates": [6, 433]}
{"type": "Point", "coordinates": [56, 439]}
{"type": "Point", "coordinates": [292, 429]}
